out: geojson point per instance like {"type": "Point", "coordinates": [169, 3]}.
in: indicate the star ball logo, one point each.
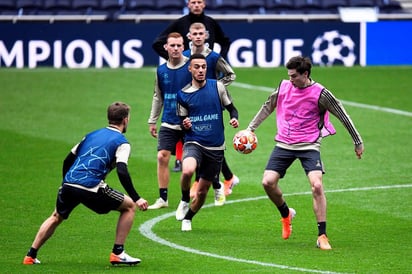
{"type": "Point", "coordinates": [333, 48]}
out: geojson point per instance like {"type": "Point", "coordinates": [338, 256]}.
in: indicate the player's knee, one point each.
{"type": "Point", "coordinates": [266, 183]}
{"type": "Point", "coordinates": [317, 187]}
{"type": "Point", "coordinates": [163, 156]}
{"type": "Point", "coordinates": [187, 174]}
{"type": "Point", "coordinates": [128, 205]}
{"type": "Point", "coordinates": [56, 218]}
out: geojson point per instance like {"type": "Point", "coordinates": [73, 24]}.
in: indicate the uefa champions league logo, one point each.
{"type": "Point", "coordinates": [333, 48]}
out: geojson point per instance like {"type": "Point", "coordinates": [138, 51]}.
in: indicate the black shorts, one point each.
{"type": "Point", "coordinates": [168, 139]}
{"type": "Point", "coordinates": [209, 162]}
{"type": "Point", "coordinates": [281, 159]}
{"type": "Point", "coordinates": [101, 202]}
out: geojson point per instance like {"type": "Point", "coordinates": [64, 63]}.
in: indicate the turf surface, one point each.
{"type": "Point", "coordinates": [45, 111]}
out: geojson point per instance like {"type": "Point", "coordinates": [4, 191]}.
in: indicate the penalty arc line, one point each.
{"type": "Point", "coordinates": [146, 230]}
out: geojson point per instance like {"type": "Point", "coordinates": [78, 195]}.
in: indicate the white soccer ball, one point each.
{"type": "Point", "coordinates": [245, 141]}
{"type": "Point", "coordinates": [333, 48]}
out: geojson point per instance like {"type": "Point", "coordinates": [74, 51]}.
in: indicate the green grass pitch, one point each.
{"type": "Point", "coordinates": [45, 111]}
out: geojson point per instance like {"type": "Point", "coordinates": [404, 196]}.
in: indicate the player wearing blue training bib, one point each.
{"type": "Point", "coordinates": [84, 171]}
{"type": "Point", "coordinates": [200, 106]}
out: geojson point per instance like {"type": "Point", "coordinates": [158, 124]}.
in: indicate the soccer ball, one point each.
{"type": "Point", "coordinates": [332, 48]}
{"type": "Point", "coordinates": [245, 141]}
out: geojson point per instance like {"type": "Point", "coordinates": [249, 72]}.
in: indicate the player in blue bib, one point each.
{"type": "Point", "coordinates": [84, 171]}
{"type": "Point", "coordinates": [200, 107]}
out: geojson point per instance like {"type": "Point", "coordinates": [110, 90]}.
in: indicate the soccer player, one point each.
{"type": "Point", "coordinates": [302, 115]}
{"type": "Point", "coordinates": [217, 68]}
{"type": "Point", "coordinates": [182, 25]}
{"type": "Point", "coordinates": [170, 77]}
{"type": "Point", "coordinates": [200, 107]}
{"type": "Point", "coordinates": [84, 171]}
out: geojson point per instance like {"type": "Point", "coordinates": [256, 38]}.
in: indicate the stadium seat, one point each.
{"type": "Point", "coordinates": [113, 8]}
{"type": "Point", "coordinates": [309, 6]}
{"type": "Point", "coordinates": [224, 6]}
{"type": "Point", "coordinates": [389, 6]}
{"type": "Point", "coordinates": [171, 6]}
{"type": "Point", "coordinates": [8, 7]}
{"type": "Point", "coordinates": [57, 6]}
{"type": "Point", "coordinates": [29, 7]}
{"type": "Point", "coordinates": [362, 3]}
{"type": "Point", "coordinates": [333, 5]}
{"type": "Point", "coordinates": [280, 6]}
{"type": "Point", "coordinates": [140, 7]}
{"type": "Point", "coordinates": [252, 6]}
{"type": "Point", "coordinates": [85, 7]}
{"type": "Point", "coordinates": [111, 5]}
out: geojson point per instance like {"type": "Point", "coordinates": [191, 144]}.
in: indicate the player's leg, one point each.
{"type": "Point", "coordinates": [231, 179]}
{"type": "Point", "coordinates": [209, 169]}
{"type": "Point", "coordinates": [313, 166]}
{"type": "Point", "coordinates": [195, 185]}
{"type": "Point", "coordinates": [319, 208]}
{"type": "Point", "coordinates": [109, 199]}
{"type": "Point", "coordinates": [278, 163]}
{"type": "Point", "coordinates": [45, 231]}
{"type": "Point", "coordinates": [127, 211]}
{"type": "Point", "coordinates": [191, 158]}
{"type": "Point", "coordinates": [167, 139]}
{"type": "Point", "coordinates": [65, 203]}
{"type": "Point", "coordinates": [163, 174]}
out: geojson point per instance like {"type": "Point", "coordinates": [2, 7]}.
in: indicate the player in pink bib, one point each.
{"type": "Point", "coordinates": [302, 119]}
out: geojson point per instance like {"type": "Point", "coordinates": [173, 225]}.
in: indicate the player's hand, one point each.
{"type": "Point", "coordinates": [142, 204]}
{"type": "Point", "coordinates": [234, 123]}
{"type": "Point", "coordinates": [187, 123]}
{"type": "Point", "coordinates": [359, 150]}
{"type": "Point", "coordinates": [153, 130]}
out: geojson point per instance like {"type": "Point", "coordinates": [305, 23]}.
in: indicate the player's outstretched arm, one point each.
{"type": "Point", "coordinates": [359, 150]}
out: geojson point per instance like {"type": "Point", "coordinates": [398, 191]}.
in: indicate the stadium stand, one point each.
{"type": "Point", "coordinates": [7, 7]}
{"type": "Point", "coordinates": [171, 6]}
{"type": "Point", "coordinates": [362, 3]}
{"type": "Point", "coordinates": [333, 5]}
{"type": "Point", "coordinates": [85, 7]}
{"type": "Point", "coordinates": [29, 7]}
{"type": "Point", "coordinates": [223, 6]}
{"type": "Point", "coordinates": [112, 5]}
{"type": "Point", "coordinates": [253, 6]}
{"type": "Point", "coordinates": [138, 10]}
{"type": "Point", "coordinates": [309, 6]}
{"type": "Point", "coordinates": [141, 7]}
{"type": "Point", "coordinates": [389, 6]}
{"type": "Point", "coordinates": [57, 7]}
{"type": "Point", "coordinates": [279, 6]}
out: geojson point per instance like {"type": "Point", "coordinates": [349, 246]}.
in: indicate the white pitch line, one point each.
{"type": "Point", "coordinates": [349, 103]}
{"type": "Point", "coordinates": [146, 230]}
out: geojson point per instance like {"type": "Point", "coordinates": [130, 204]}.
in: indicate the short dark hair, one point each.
{"type": "Point", "coordinates": [300, 63]}
{"type": "Point", "coordinates": [197, 56]}
{"type": "Point", "coordinates": [116, 112]}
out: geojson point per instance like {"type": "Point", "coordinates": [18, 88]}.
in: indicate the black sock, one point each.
{"type": "Point", "coordinates": [117, 249]}
{"type": "Point", "coordinates": [32, 253]}
{"type": "Point", "coordinates": [284, 210]}
{"type": "Point", "coordinates": [186, 196]}
{"type": "Point", "coordinates": [216, 184]}
{"type": "Point", "coordinates": [163, 193]}
{"type": "Point", "coordinates": [321, 228]}
{"type": "Point", "coordinates": [189, 215]}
